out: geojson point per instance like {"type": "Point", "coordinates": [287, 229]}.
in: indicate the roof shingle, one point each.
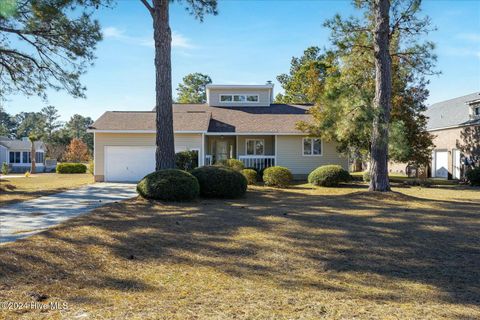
{"type": "Point", "coordinates": [278, 118]}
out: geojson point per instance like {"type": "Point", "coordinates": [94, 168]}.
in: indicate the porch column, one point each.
{"type": "Point", "coordinates": [201, 161]}
{"type": "Point", "coordinates": [275, 146]}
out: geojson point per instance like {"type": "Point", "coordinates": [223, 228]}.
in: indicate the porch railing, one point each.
{"type": "Point", "coordinates": [257, 162]}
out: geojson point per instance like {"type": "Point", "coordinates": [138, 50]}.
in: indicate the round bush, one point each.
{"type": "Point", "coordinates": [277, 176]}
{"type": "Point", "coordinates": [71, 168]}
{"type": "Point", "coordinates": [169, 185]}
{"type": "Point", "coordinates": [220, 182]}
{"type": "Point", "coordinates": [473, 176]}
{"type": "Point", "coordinates": [366, 176]}
{"type": "Point", "coordinates": [250, 175]}
{"type": "Point", "coordinates": [328, 176]}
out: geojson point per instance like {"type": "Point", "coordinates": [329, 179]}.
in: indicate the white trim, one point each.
{"type": "Point", "coordinates": [206, 132]}
{"type": "Point", "coordinates": [254, 149]}
{"type": "Point", "coordinates": [239, 86]}
{"type": "Point", "coordinates": [312, 155]}
{"type": "Point", "coordinates": [139, 131]}
{"type": "Point", "coordinates": [232, 95]}
{"type": "Point", "coordinates": [255, 133]}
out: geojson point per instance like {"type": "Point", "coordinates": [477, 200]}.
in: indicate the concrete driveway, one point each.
{"type": "Point", "coordinates": [23, 219]}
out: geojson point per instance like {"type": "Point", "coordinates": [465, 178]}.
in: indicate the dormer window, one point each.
{"type": "Point", "coordinates": [476, 111]}
{"type": "Point", "coordinates": [243, 98]}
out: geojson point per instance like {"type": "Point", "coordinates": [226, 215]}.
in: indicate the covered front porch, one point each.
{"type": "Point", "coordinates": [255, 151]}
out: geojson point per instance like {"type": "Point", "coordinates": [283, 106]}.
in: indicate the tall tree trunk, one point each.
{"type": "Point", "coordinates": [382, 103]}
{"type": "Point", "coordinates": [165, 153]}
{"type": "Point", "coordinates": [32, 158]}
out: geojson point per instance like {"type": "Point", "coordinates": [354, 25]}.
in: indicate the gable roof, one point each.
{"type": "Point", "coordinates": [277, 118]}
{"type": "Point", "coordinates": [19, 144]}
{"type": "Point", "coordinates": [451, 113]}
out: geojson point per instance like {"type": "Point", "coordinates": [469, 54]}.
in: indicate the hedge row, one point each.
{"type": "Point", "coordinates": [71, 168]}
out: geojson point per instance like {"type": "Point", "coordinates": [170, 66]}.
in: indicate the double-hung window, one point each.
{"type": "Point", "coordinates": [231, 98]}
{"type": "Point", "coordinates": [15, 157]}
{"type": "Point", "coordinates": [26, 157]}
{"type": "Point", "coordinates": [255, 147]}
{"type": "Point", "coordinates": [39, 157]}
{"type": "Point", "coordinates": [312, 147]}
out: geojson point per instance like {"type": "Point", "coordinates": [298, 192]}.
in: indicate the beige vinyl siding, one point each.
{"type": "Point", "coordinates": [263, 97]}
{"type": "Point", "coordinates": [290, 155]}
{"type": "Point", "coordinates": [269, 144]}
{"type": "Point", "coordinates": [182, 140]}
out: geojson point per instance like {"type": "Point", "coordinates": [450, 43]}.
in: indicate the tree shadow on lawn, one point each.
{"type": "Point", "coordinates": [374, 246]}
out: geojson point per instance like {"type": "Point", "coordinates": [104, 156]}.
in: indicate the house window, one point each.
{"type": "Point", "coordinates": [312, 147]}
{"type": "Point", "coordinates": [255, 147]}
{"type": "Point", "coordinates": [476, 111]}
{"type": "Point", "coordinates": [249, 98]}
{"type": "Point", "coordinates": [39, 157]}
{"type": "Point", "coordinates": [226, 98]}
{"type": "Point", "coordinates": [15, 156]}
{"type": "Point", "coordinates": [25, 157]}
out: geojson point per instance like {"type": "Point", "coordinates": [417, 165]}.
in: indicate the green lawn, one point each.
{"type": "Point", "coordinates": [298, 253]}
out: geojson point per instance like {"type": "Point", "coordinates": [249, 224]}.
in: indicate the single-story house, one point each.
{"type": "Point", "coordinates": [453, 123]}
{"type": "Point", "coordinates": [17, 153]}
{"type": "Point", "coordinates": [237, 121]}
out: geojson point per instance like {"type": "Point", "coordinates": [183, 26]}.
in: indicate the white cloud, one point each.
{"type": "Point", "coordinates": [462, 52]}
{"type": "Point", "coordinates": [112, 32]}
{"type": "Point", "coordinates": [178, 40]}
{"type": "Point", "coordinates": [473, 37]}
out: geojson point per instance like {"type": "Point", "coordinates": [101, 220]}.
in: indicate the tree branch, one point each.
{"type": "Point", "coordinates": [148, 6]}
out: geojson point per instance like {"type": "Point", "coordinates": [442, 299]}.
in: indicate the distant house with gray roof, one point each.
{"type": "Point", "coordinates": [17, 153]}
{"type": "Point", "coordinates": [451, 122]}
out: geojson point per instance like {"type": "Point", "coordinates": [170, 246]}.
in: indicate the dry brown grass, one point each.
{"type": "Point", "coordinates": [339, 253]}
{"type": "Point", "coordinates": [21, 189]}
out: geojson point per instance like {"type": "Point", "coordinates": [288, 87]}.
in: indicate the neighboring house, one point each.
{"type": "Point", "coordinates": [453, 122]}
{"type": "Point", "coordinates": [238, 121]}
{"type": "Point", "coordinates": [16, 153]}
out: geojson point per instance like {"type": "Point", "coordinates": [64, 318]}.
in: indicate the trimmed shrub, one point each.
{"type": "Point", "coordinates": [186, 160]}
{"type": "Point", "coordinates": [366, 176]}
{"type": "Point", "coordinates": [235, 164]}
{"type": "Point", "coordinates": [71, 168]}
{"type": "Point", "coordinates": [277, 176]}
{"type": "Point", "coordinates": [473, 176]}
{"type": "Point", "coordinates": [169, 185]}
{"type": "Point", "coordinates": [250, 175]}
{"type": "Point", "coordinates": [328, 176]}
{"type": "Point", "coordinates": [220, 182]}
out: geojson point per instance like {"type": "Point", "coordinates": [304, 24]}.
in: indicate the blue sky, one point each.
{"type": "Point", "coordinates": [249, 42]}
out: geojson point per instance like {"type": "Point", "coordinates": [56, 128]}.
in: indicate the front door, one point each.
{"type": "Point", "coordinates": [222, 150]}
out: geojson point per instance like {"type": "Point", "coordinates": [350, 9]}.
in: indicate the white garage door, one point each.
{"type": "Point", "coordinates": [441, 164]}
{"type": "Point", "coordinates": [128, 163]}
